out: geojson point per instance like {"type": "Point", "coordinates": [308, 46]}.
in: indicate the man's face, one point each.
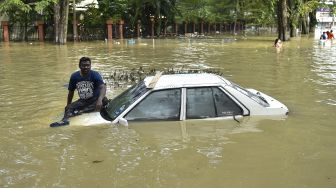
{"type": "Point", "coordinates": [85, 67]}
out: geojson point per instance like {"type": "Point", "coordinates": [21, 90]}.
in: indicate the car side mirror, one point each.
{"type": "Point", "coordinates": [237, 117]}
{"type": "Point", "coordinates": [123, 121]}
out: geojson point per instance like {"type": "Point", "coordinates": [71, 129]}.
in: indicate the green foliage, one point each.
{"type": "Point", "coordinates": [113, 9]}
{"type": "Point", "coordinates": [26, 11]}
{"type": "Point", "coordinates": [163, 11]}
{"type": "Point", "coordinates": [8, 6]}
{"type": "Point", "coordinates": [254, 12]}
{"type": "Point", "coordinates": [42, 5]}
{"type": "Point", "coordinates": [299, 8]}
{"type": "Point", "coordinates": [193, 10]}
{"type": "Point", "coordinates": [248, 12]}
{"type": "Point", "coordinates": [92, 17]}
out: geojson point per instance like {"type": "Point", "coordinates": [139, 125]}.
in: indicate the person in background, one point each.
{"type": "Point", "coordinates": [330, 34]}
{"type": "Point", "coordinates": [324, 36]}
{"type": "Point", "coordinates": [91, 91]}
{"type": "Point", "coordinates": [277, 43]}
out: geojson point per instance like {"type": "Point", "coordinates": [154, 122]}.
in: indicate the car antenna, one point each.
{"type": "Point", "coordinates": [155, 79]}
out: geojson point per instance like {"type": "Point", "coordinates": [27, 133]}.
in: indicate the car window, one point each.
{"type": "Point", "coordinates": [207, 102]}
{"type": "Point", "coordinates": [225, 106]}
{"type": "Point", "coordinates": [159, 105]}
{"type": "Point", "coordinates": [117, 105]}
{"type": "Point", "coordinates": [200, 103]}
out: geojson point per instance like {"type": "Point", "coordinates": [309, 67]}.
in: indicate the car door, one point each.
{"type": "Point", "coordinates": [158, 105]}
{"type": "Point", "coordinates": [209, 102]}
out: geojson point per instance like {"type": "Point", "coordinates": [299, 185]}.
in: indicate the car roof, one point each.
{"type": "Point", "coordinates": [187, 80]}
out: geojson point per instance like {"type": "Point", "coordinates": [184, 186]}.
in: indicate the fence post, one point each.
{"type": "Point", "coordinates": [185, 28]}
{"type": "Point", "coordinates": [109, 24]}
{"type": "Point", "coordinates": [209, 30]}
{"type": "Point", "coordinates": [5, 32]}
{"type": "Point", "coordinates": [152, 21]}
{"type": "Point", "coordinates": [75, 30]}
{"type": "Point", "coordinates": [40, 25]}
{"type": "Point", "coordinates": [194, 27]}
{"type": "Point", "coordinates": [121, 24]}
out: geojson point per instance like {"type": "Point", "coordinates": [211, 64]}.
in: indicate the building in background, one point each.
{"type": "Point", "coordinates": [325, 19]}
{"type": "Point", "coordinates": [83, 5]}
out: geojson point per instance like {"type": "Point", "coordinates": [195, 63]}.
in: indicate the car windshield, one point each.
{"type": "Point", "coordinates": [257, 98]}
{"type": "Point", "coordinates": [117, 105]}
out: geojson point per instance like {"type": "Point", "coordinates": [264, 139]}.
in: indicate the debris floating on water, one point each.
{"type": "Point", "coordinates": [123, 78]}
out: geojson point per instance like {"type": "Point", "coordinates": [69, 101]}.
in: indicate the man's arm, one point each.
{"type": "Point", "coordinates": [70, 96]}
{"type": "Point", "coordinates": [102, 93]}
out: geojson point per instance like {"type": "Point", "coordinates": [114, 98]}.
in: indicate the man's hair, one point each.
{"type": "Point", "coordinates": [84, 59]}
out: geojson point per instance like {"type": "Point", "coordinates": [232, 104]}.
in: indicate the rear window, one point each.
{"type": "Point", "coordinates": [210, 102]}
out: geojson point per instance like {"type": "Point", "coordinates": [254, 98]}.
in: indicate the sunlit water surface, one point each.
{"type": "Point", "coordinates": [297, 152]}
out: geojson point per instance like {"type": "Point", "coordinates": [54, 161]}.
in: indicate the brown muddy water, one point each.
{"type": "Point", "coordinates": [297, 152]}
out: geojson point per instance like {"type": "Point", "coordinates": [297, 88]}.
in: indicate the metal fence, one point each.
{"type": "Point", "coordinates": [21, 33]}
{"type": "Point", "coordinates": [91, 33]}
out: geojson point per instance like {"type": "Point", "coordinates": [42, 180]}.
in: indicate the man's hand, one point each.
{"type": "Point", "coordinates": [99, 105]}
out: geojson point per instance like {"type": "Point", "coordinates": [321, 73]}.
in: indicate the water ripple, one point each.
{"type": "Point", "coordinates": [324, 65]}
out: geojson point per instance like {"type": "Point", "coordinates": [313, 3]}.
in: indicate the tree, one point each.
{"type": "Point", "coordinates": [260, 13]}
{"type": "Point", "coordinates": [298, 13]}
{"type": "Point", "coordinates": [61, 16]}
{"type": "Point", "coordinates": [282, 19]}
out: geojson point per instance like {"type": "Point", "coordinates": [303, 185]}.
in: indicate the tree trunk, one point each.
{"type": "Point", "coordinates": [74, 21]}
{"type": "Point", "coordinates": [26, 28]}
{"type": "Point", "coordinates": [305, 28]}
{"type": "Point", "coordinates": [313, 21]}
{"type": "Point", "coordinates": [194, 27]}
{"type": "Point", "coordinates": [56, 21]}
{"type": "Point", "coordinates": [293, 18]}
{"type": "Point", "coordinates": [209, 28]}
{"type": "Point", "coordinates": [235, 21]}
{"type": "Point", "coordinates": [185, 28]}
{"type": "Point", "coordinates": [61, 12]}
{"type": "Point", "coordinates": [292, 31]}
{"type": "Point", "coordinates": [282, 19]}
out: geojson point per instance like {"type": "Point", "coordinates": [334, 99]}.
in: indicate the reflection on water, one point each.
{"type": "Point", "coordinates": [325, 67]}
{"type": "Point", "coordinates": [294, 152]}
{"type": "Point", "coordinates": [175, 136]}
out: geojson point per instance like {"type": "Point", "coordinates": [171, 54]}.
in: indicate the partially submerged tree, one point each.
{"type": "Point", "coordinates": [61, 16]}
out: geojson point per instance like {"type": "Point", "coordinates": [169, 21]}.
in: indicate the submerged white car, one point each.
{"type": "Point", "coordinates": [189, 96]}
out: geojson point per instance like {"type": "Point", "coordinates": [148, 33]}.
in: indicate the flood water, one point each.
{"type": "Point", "coordinates": [296, 152]}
